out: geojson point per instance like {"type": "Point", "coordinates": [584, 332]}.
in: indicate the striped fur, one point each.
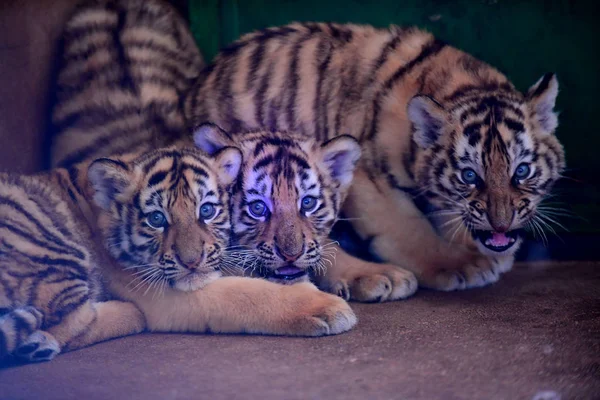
{"type": "Point", "coordinates": [424, 113]}
{"type": "Point", "coordinates": [123, 67]}
{"type": "Point", "coordinates": [84, 257]}
{"type": "Point", "coordinates": [280, 172]}
{"type": "Point", "coordinates": [66, 236]}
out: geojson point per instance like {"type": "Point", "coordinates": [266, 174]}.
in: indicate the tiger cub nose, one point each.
{"type": "Point", "coordinates": [191, 262]}
{"type": "Point", "coordinates": [288, 255]}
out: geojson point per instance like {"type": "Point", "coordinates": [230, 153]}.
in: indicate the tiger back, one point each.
{"type": "Point", "coordinates": [121, 71]}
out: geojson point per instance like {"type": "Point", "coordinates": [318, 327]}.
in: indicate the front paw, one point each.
{"type": "Point", "coordinates": [323, 314]}
{"type": "Point", "coordinates": [376, 283]}
{"type": "Point", "coordinates": [477, 272]}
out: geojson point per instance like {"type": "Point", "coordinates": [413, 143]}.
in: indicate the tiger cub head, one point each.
{"type": "Point", "coordinates": [287, 198]}
{"type": "Point", "coordinates": [487, 157]}
{"type": "Point", "coordinates": [164, 215]}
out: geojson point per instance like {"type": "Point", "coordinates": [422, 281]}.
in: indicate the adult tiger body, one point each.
{"type": "Point", "coordinates": [131, 243]}
{"type": "Point", "coordinates": [430, 119]}
{"type": "Point", "coordinates": [122, 68]}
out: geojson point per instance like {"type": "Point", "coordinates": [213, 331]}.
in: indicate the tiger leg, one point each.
{"type": "Point", "coordinates": [355, 279]}
{"type": "Point", "coordinates": [88, 324]}
{"type": "Point", "coordinates": [248, 305]}
{"type": "Point", "coordinates": [16, 326]}
{"type": "Point", "coordinates": [95, 322]}
{"type": "Point", "coordinates": [400, 234]}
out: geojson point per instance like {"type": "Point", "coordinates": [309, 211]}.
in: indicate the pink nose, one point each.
{"type": "Point", "coordinates": [501, 227]}
{"type": "Point", "coordinates": [191, 262]}
{"type": "Point", "coordinates": [287, 255]}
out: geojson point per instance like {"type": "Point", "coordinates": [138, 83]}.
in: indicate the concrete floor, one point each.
{"type": "Point", "coordinates": [535, 334]}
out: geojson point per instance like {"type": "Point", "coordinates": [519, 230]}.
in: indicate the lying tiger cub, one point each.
{"type": "Point", "coordinates": [434, 124]}
{"type": "Point", "coordinates": [133, 243]}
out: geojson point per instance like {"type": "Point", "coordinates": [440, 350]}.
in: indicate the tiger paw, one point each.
{"type": "Point", "coordinates": [39, 346]}
{"type": "Point", "coordinates": [321, 314]}
{"type": "Point", "coordinates": [478, 272]}
{"type": "Point", "coordinates": [376, 283]}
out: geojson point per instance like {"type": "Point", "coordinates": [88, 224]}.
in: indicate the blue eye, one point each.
{"type": "Point", "coordinates": [469, 176]}
{"type": "Point", "coordinates": [522, 171]}
{"type": "Point", "coordinates": [308, 203]}
{"type": "Point", "coordinates": [257, 208]}
{"type": "Point", "coordinates": [156, 219]}
{"type": "Point", "coordinates": [207, 211]}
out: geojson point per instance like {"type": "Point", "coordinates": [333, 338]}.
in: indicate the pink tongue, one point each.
{"type": "Point", "coordinates": [287, 271]}
{"type": "Point", "coordinates": [499, 239]}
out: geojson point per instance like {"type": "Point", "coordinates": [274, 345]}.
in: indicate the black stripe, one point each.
{"type": "Point", "coordinates": [156, 159]}
{"type": "Point", "coordinates": [157, 178]}
{"type": "Point", "coordinates": [263, 162]}
{"type": "Point", "coordinates": [513, 125]}
{"type": "Point", "coordinates": [301, 162]}
{"type": "Point", "coordinates": [320, 124]}
{"type": "Point", "coordinates": [49, 236]}
{"type": "Point", "coordinates": [488, 103]}
{"type": "Point", "coordinates": [292, 80]}
{"type": "Point", "coordinates": [27, 236]}
{"type": "Point", "coordinates": [471, 89]}
{"type": "Point", "coordinates": [197, 170]}
{"type": "Point", "coordinates": [389, 47]}
{"type": "Point", "coordinates": [427, 51]}
{"type": "Point", "coordinates": [255, 62]}
{"type": "Point", "coordinates": [93, 116]}
{"type": "Point", "coordinates": [259, 97]}
{"type": "Point", "coordinates": [21, 324]}
{"type": "Point", "coordinates": [122, 59]}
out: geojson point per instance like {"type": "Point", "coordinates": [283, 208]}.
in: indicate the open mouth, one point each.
{"type": "Point", "coordinates": [497, 241]}
{"type": "Point", "coordinates": [287, 273]}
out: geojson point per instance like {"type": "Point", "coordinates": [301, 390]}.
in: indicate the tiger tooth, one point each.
{"type": "Point", "coordinates": [511, 240]}
{"type": "Point", "coordinates": [488, 242]}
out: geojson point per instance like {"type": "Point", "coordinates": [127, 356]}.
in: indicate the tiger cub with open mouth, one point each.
{"type": "Point", "coordinates": [434, 125]}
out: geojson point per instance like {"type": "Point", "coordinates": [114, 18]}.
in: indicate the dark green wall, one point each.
{"type": "Point", "coordinates": [524, 39]}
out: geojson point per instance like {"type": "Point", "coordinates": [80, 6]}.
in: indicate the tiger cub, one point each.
{"type": "Point", "coordinates": [122, 67]}
{"type": "Point", "coordinates": [133, 243]}
{"type": "Point", "coordinates": [434, 124]}
{"type": "Point", "coordinates": [285, 204]}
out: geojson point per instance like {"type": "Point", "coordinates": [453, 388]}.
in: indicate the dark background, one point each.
{"type": "Point", "coordinates": [524, 39]}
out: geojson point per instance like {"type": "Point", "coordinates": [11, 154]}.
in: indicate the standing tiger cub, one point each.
{"type": "Point", "coordinates": [433, 123]}
{"type": "Point", "coordinates": [133, 242]}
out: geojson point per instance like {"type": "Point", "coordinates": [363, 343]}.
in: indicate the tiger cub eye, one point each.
{"type": "Point", "coordinates": [156, 219]}
{"type": "Point", "coordinates": [469, 176]}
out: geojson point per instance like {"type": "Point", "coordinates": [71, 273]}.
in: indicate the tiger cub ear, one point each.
{"type": "Point", "coordinates": [340, 156]}
{"type": "Point", "coordinates": [109, 179]}
{"type": "Point", "coordinates": [428, 118]}
{"type": "Point", "coordinates": [210, 138]}
{"type": "Point", "coordinates": [541, 99]}
{"type": "Point", "coordinates": [228, 162]}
